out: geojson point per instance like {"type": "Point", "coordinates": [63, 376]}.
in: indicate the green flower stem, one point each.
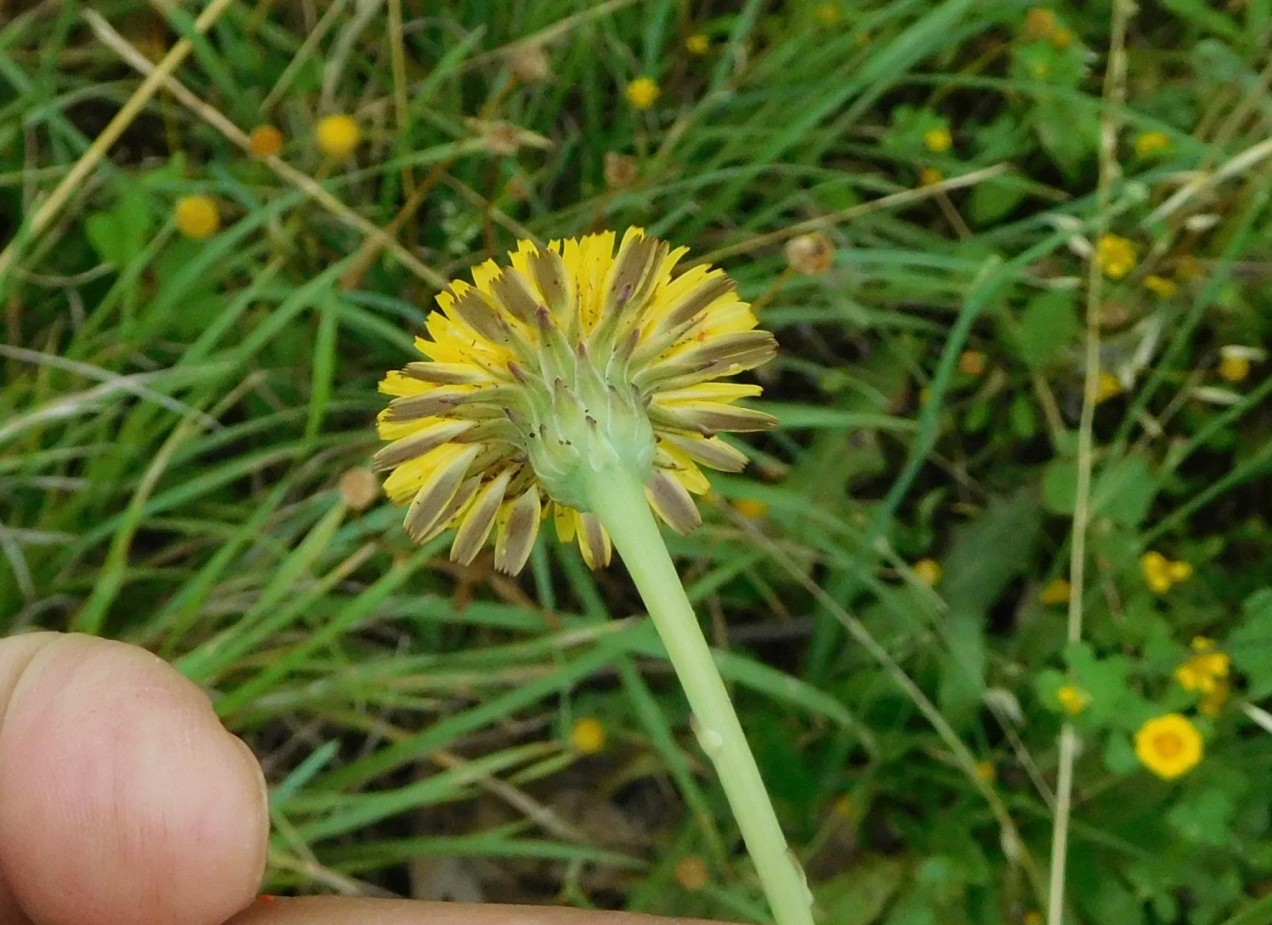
{"type": "Point", "coordinates": [617, 497]}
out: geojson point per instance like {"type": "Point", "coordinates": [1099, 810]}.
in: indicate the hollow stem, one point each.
{"type": "Point", "coordinates": [617, 496]}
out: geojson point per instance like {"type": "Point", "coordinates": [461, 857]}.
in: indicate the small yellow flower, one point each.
{"type": "Point", "coordinates": [1056, 591]}
{"type": "Point", "coordinates": [567, 359]}
{"type": "Point", "coordinates": [692, 873]}
{"type": "Point", "coordinates": [810, 254]}
{"type": "Point", "coordinates": [1160, 285]}
{"type": "Point", "coordinates": [986, 772]}
{"type": "Point", "coordinates": [938, 140]}
{"type": "Point", "coordinates": [197, 216]}
{"type": "Point", "coordinates": [972, 363]}
{"type": "Point", "coordinates": [828, 14]}
{"type": "Point", "coordinates": [1234, 363]}
{"type": "Point", "coordinates": [1156, 571]}
{"type": "Point", "coordinates": [1115, 255]}
{"type": "Point", "coordinates": [751, 508]}
{"type": "Point", "coordinates": [1108, 386]}
{"type": "Point", "coordinates": [698, 44]}
{"type": "Point", "coordinates": [265, 141]}
{"type": "Point", "coordinates": [588, 735]}
{"type": "Point", "coordinates": [1151, 144]}
{"type": "Point", "coordinates": [1073, 699]}
{"type": "Point", "coordinates": [1180, 571]}
{"type": "Point", "coordinates": [928, 571]}
{"type": "Point", "coordinates": [643, 92]}
{"type": "Point", "coordinates": [338, 136]}
{"type": "Point", "coordinates": [1061, 37]}
{"type": "Point", "coordinates": [1206, 670]}
{"type": "Point", "coordinates": [1169, 746]}
{"type": "Point", "coordinates": [1213, 700]}
{"type": "Point", "coordinates": [930, 175]}
{"type": "Point", "coordinates": [1040, 22]}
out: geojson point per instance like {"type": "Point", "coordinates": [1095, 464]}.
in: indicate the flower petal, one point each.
{"type": "Point", "coordinates": [709, 451]}
{"type": "Point", "coordinates": [419, 443]}
{"type": "Point", "coordinates": [423, 516]}
{"type": "Point", "coordinates": [672, 502]}
{"type": "Point", "coordinates": [594, 541]}
{"type": "Point", "coordinates": [517, 532]}
{"type": "Point", "coordinates": [475, 526]}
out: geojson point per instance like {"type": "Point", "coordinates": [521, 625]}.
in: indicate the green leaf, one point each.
{"type": "Point", "coordinates": [119, 235]}
{"type": "Point", "coordinates": [1122, 490]}
{"type": "Point", "coordinates": [1251, 643]}
{"type": "Point", "coordinates": [1047, 326]}
{"type": "Point", "coordinates": [860, 895]}
{"type": "Point", "coordinates": [994, 199]}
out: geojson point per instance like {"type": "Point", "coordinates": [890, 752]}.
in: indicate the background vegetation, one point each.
{"type": "Point", "coordinates": [185, 420]}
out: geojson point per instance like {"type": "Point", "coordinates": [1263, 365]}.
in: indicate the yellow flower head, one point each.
{"type": "Point", "coordinates": [1107, 386]}
{"type": "Point", "coordinates": [1160, 285]}
{"type": "Point", "coordinates": [928, 571]}
{"type": "Point", "coordinates": [1115, 255]}
{"type": "Point", "coordinates": [986, 771]}
{"type": "Point", "coordinates": [972, 363]}
{"type": "Point", "coordinates": [1212, 701]}
{"type": "Point", "coordinates": [338, 136]}
{"type": "Point", "coordinates": [1151, 144]}
{"type": "Point", "coordinates": [1156, 571]}
{"type": "Point", "coordinates": [828, 14]}
{"type": "Point", "coordinates": [938, 140]}
{"type": "Point", "coordinates": [197, 216]}
{"type": "Point", "coordinates": [643, 92]}
{"type": "Point", "coordinates": [930, 175]}
{"type": "Point", "coordinates": [1234, 362]}
{"type": "Point", "coordinates": [588, 735]}
{"type": "Point", "coordinates": [1056, 591]}
{"type": "Point", "coordinates": [750, 508]}
{"type": "Point", "coordinates": [1169, 746]}
{"type": "Point", "coordinates": [1206, 670]}
{"type": "Point", "coordinates": [1040, 22]}
{"type": "Point", "coordinates": [692, 872]}
{"type": "Point", "coordinates": [570, 359]}
{"type": "Point", "coordinates": [698, 44]}
{"type": "Point", "coordinates": [1073, 699]}
{"type": "Point", "coordinates": [265, 141]}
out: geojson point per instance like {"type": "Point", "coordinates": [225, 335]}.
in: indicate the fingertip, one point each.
{"type": "Point", "coordinates": [122, 798]}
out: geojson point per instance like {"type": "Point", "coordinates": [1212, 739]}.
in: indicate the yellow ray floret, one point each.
{"type": "Point", "coordinates": [587, 346]}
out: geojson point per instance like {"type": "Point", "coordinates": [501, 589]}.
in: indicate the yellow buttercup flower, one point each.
{"type": "Point", "coordinates": [1213, 700]}
{"type": "Point", "coordinates": [928, 571]}
{"type": "Point", "coordinates": [338, 136]}
{"type": "Point", "coordinates": [1206, 670]}
{"type": "Point", "coordinates": [698, 44]}
{"type": "Point", "coordinates": [1056, 591]}
{"type": "Point", "coordinates": [1161, 573]}
{"type": "Point", "coordinates": [197, 216]}
{"type": "Point", "coordinates": [588, 735]}
{"type": "Point", "coordinates": [643, 92]}
{"type": "Point", "coordinates": [937, 140]}
{"type": "Point", "coordinates": [986, 772]}
{"type": "Point", "coordinates": [972, 363]}
{"type": "Point", "coordinates": [265, 141]}
{"type": "Point", "coordinates": [1107, 386]}
{"type": "Point", "coordinates": [1169, 746]}
{"type": "Point", "coordinates": [1160, 285]}
{"type": "Point", "coordinates": [1115, 255]}
{"type": "Point", "coordinates": [930, 175]}
{"type": "Point", "coordinates": [568, 360]}
{"type": "Point", "coordinates": [1150, 144]}
{"type": "Point", "coordinates": [750, 508]}
{"type": "Point", "coordinates": [1235, 362]}
{"type": "Point", "coordinates": [1073, 699]}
